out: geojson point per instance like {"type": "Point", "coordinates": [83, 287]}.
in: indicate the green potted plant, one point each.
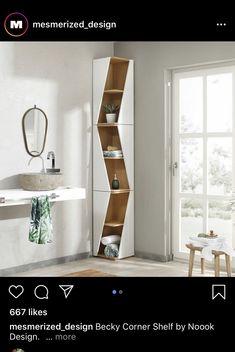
{"type": "Point", "coordinates": [111, 112]}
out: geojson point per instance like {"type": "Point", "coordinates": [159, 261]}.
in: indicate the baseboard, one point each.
{"type": "Point", "coordinates": [155, 257]}
{"type": "Point", "coordinates": [42, 264]}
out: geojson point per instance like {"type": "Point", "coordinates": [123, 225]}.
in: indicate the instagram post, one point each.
{"type": "Point", "coordinates": [117, 178]}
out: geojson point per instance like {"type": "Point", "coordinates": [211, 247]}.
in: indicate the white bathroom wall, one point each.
{"type": "Point", "coordinates": [57, 77]}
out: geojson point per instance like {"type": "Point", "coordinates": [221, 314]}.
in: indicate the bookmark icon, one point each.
{"type": "Point", "coordinates": [66, 289]}
{"type": "Point", "coordinates": [219, 291]}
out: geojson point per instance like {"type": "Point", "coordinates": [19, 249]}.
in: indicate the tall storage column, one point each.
{"type": "Point", "coordinates": [113, 158]}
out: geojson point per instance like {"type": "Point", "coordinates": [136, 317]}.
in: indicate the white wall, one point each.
{"type": "Point", "coordinates": [151, 59]}
{"type": "Point", "coordinates": [57, 77]}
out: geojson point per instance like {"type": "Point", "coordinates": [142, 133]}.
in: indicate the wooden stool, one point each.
{"type": "Point", "coordinates": [216, 258]}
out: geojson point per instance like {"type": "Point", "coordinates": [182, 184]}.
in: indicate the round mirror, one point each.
{"type": "Point", "coordinates": [34, 125]}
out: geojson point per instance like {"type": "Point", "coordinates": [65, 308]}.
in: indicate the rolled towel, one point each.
{"type": "Point", "coordinates": [111, 250]}
{"type": "Point", "coordinates": [110, 239]}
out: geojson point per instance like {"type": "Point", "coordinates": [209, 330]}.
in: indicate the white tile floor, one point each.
{"type": "Point", "coordinates": [126, 267]}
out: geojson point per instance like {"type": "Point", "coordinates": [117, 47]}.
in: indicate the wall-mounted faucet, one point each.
{"type": "Point", "coordinates": [33, 157]}
{"type": "Point", "coordinates": [52, 155]}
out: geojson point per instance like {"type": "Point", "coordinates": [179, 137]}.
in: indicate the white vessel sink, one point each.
{"type": "Point", "coordinates": [41, 181]}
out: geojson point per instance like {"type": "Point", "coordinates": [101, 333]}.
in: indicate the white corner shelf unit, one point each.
{"type": "Point", "coordinates": [11, 197]}
{"type": "Point", "coordinates": [113, 209]}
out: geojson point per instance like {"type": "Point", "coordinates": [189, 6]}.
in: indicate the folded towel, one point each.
{"type": "Point", "coordinates": [111, 239]}
{"type": "Point", "coordinates": [209, 244]}
{"type": "Point", "coordinates": [202, 241]}
{"type": "Point", "coordinates": [111, 250]}
{"type": "Point", "coordinates": [40, 231]}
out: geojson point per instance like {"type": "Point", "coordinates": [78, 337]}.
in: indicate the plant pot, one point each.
{"type": "Point", "coordinates": [111, 118]}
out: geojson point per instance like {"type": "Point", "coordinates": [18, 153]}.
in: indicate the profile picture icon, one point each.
{"type": "Point", "coordinates": [16, 24]}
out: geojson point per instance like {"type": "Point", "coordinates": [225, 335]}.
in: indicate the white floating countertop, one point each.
{"type": "Point", "coordinates": [10, 197]}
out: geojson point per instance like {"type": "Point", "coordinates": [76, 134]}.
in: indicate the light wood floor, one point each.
{"type": "Point", "coordinates": [126, 267]}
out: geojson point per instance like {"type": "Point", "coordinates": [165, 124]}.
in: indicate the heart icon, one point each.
{"type": "Point", "coordinates": [16, 291]}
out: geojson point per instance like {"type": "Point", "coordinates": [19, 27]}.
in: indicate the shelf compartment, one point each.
{"type": "Point", "coordinates": [116, 211]}
{"type": "Point", "coordinates": [110, 137]}
{"type": "Point", "coordinates": [126, 244]}
{"type": "Point", "coordinates": [117, 166]}
{"type": "Point", "coordinates": [114, 98]}
{"type": "Point", "coordinates": [115, 217]}
{"type": "Point", "coordinates": [114, 85]}
{"type": "Point", "coordinates": [117, 72]}
{"type": "Point", "coordinates": [111, 228]}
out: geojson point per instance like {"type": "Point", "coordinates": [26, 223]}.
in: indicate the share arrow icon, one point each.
{"type": "Point", "coordinates": [67, 289]}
